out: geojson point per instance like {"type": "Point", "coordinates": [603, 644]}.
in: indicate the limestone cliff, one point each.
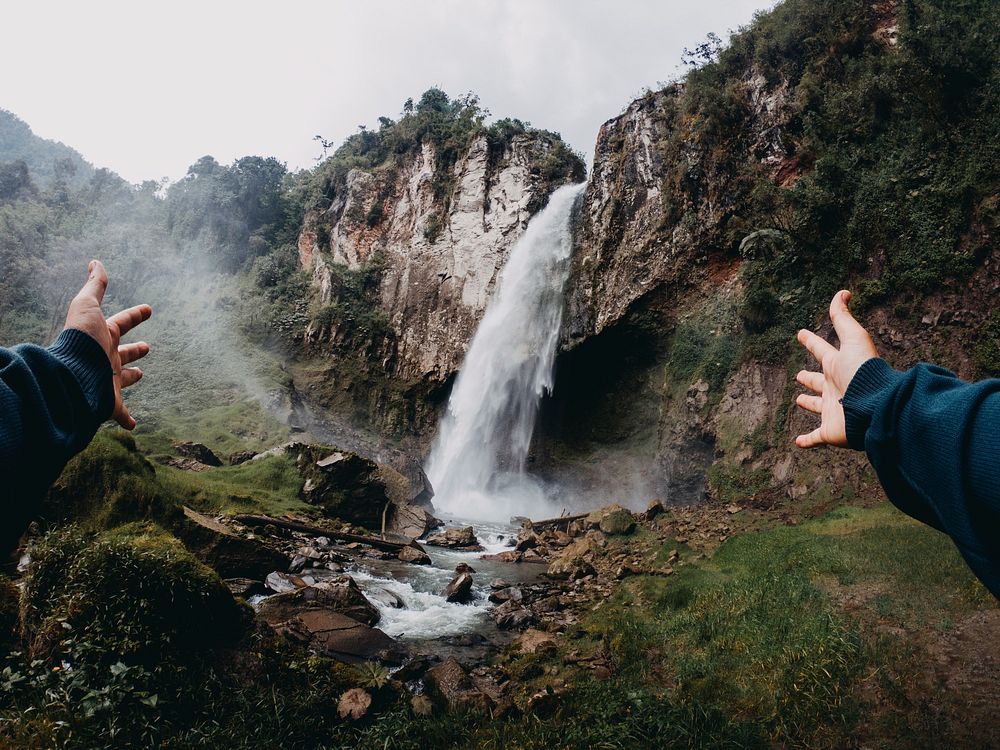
{"type": "Point", "coordinates": [437, 260]}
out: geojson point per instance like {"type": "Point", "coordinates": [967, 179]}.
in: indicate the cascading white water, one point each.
{"type": "Point", "coordinates": [477, 464]}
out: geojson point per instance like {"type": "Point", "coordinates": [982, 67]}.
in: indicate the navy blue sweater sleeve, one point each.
{"type": "Point", "coordinates": [51, 403]}
{"type": "Point", "coordinates": [934, 441]}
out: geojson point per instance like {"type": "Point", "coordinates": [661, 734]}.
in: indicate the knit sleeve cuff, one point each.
{"type": "Point", "coordinates": [872, 384]}
{"type": "Point", "coordinates": [88, 362]}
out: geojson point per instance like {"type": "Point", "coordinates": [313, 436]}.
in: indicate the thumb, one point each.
{"type": "Point", "coordinates": [843, 322]}
{"type": "Point", "coordinates": [96, 283]}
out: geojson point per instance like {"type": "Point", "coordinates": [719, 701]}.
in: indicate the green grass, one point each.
{"type": "Point", "coordinates": [225, 428]}
{"type": "Point", "coordinates": [756, 633]}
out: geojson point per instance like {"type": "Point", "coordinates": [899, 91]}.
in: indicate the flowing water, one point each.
{"type": "Point", "coordinates": [477, 464]}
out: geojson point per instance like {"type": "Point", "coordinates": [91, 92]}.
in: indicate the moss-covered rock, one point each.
{"type": "Point", "coordinates": [109, 483]}
{"type": "Point", "coordinates": [133, 592]}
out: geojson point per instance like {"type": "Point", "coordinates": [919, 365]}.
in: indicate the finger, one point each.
{"type": "Point", "coordinates": [123, 418]}
{"type": "Point", "coordinates": [812, 380]}
{"type": "Point", "coordinates": [811, 440]}
{"type": "Point", "coordinates": [126, 320]}
{"type": "Point", "coordinates": [816, 346]}
{"type": "Point", "coordinates": [130, 376]}
{"type": "Point", "coordinates": [843, 322]}
{"type": "Point", "coordinates": [131, 352]}
{"type": "Point", "coordinates": [97, 283]}
{"type": "Point", "coordinates": [810, 403]}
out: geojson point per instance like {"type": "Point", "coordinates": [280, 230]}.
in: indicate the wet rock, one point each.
{"type": "Point", "coordinates": [245, 587]}
{"type": "Point", "coordinates": [527, 541]}
{"type": "Point", "coordinates": [459, 591]}
{"type": "Point", "coordinates": [463, 538]}
{"type": "Point", "coordinates": [340, 595]}
{"type": "Point", "coordinates": [506, 595]}
{"type": "Point", "coordinates": [298, 564]}
{"type": "Point", "coordinates": [200, 453]}
{"type": "Point", "coordinates": [410, 521]}
{"type": "Point", "coordinates": [283, 583]}
{"type": "Point", "coordinates": [498, 583]}
{"type": "Point", "coordinates": [414, 555]}
{"type": "Point", "coordinates": [510, 556]}
{"type": "Point", "coordinates": [414, 669]}
{"type": "Point", "coordinates": [452, 688]}
{"type": "Point", "coordinates": [232, 555]}
{"type": "Point", "coordinates": [464, 568]}
{"type": "Point", "coordinates": [241, 457]}
{"type": "Point", "coordinates": [386, 597]}
{"type": "Point", "coordinates": [338, 636]}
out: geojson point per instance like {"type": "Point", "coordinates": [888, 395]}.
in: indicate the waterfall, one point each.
{"type": "Point", "coordinates": [477, 463]}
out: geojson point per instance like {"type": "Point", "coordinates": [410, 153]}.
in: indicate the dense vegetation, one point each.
{"type": "Point", "coordinates": [889, 183]}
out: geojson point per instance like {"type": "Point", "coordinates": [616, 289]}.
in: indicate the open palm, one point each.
{"type": "Point", "coordinates": [85, 315]}
{"type": "Point", "coordinates": [839, 367]}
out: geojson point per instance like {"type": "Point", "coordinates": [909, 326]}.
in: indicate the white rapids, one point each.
{"type": "Point", "coordinates": [477, 463]}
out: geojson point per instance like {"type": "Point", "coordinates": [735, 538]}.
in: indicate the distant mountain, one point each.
{"type": "Point", "coordinates": [45, 159]}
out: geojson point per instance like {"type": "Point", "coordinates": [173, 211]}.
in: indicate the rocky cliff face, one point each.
{"type": "Point", "coordinates": [437, 260]}
{"type": "Point", "coordinates": [678, 363]}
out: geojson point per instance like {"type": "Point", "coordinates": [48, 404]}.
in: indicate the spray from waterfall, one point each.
{"type": "Point", "coordinates": [477, 464]}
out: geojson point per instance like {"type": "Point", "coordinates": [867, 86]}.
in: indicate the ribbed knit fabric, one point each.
{"type": "Point", "coordinates": [934, 441]}
{"type": "Point", "coordinates": [51, 403]}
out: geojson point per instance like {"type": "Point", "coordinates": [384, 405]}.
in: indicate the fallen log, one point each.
{"type": "Point", "coordinates": [549, 522]}
{"type": "Point", "coordinates": [372, 541]}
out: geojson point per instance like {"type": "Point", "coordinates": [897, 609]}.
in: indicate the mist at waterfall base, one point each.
{"type": "Point", "coordinates": [478, 462]}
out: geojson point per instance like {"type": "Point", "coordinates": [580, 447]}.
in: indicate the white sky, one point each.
{"type": "Point", "coordinates": [147, 88]}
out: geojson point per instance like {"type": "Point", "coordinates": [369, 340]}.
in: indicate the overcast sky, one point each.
{"type": "Point", "coordinates": [146, 89]}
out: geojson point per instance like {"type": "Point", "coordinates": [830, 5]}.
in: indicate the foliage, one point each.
{"type": "Point", "coordinates": [987, 348]}
{"type": "Point", "coordinates": [133, 592]}
{"type": "Point", "coordinates": [892, 146]}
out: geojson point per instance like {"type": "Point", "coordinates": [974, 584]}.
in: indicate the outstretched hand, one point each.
{"type": "Point", "coordinates": [85, 315]}
{"type": "Point", "coordinates": [839, 367]}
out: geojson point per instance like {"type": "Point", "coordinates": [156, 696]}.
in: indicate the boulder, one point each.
{"type": "Point", "coordinates": [386, 598]}
{"type": "Point", "coordinates": [510, 594]}
{"type": "Point", "coordinates": [569, 568]}
{"type": "Point", "coordinates": [338, 636]}
{"type": "Point", "coordinates": [527, 540]}
{"type": "Point", "coordinates": [459, 591]}
{"type": "Point", "coordinates": [414, 555]}
{"type": "Point", "coordinates": [654, 509]}
{"type": "Point", "coordinates": [410, 521]}
{"type": "Point", "coordinates": [241, 457]}
{"type": "Point", "coordinates": [283, 583]}
{"type": "Point", "coordinates": [463, 538]}
{"type": "Point", "coordinates": [452, 688]}
{"type": "Point", "coordinates": [617, 522]}
{"type": "Point", "coordinates": [200, 453]}
{"type": "Point", "coordinates": [512, 616]}
{"type": "Point", "coordinates": [232, 555]}
{"type": "Point", "coordinates": [340, 595]}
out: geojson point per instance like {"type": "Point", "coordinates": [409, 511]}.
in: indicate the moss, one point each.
{"type": "Point", "coordinates": [109, 483]}
{"type": "Point", "coordinates": [133, 592]}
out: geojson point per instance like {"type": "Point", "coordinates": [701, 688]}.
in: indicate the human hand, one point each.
{"type": "Point", "coordinates": [839, 367]}
{"type": "Point", "coordinates": [85, 315]}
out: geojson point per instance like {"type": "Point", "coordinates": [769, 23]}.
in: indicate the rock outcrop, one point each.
{"type": "Point", "coordinates": [438, 259]}
{"type": "Point", "coordinates": [232, 555]}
